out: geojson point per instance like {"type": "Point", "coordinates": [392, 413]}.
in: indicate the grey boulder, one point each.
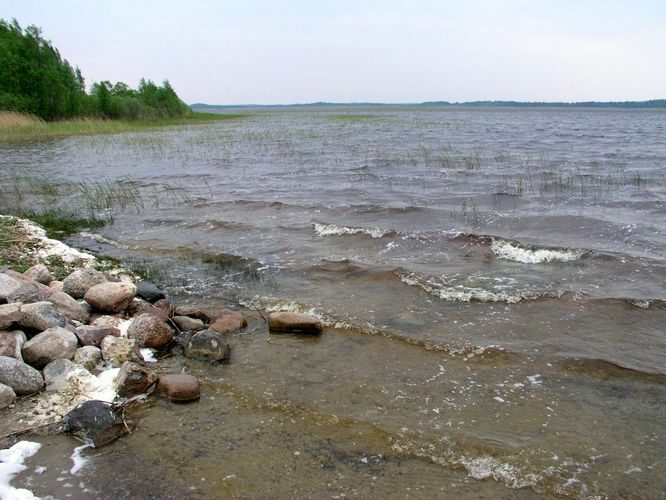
{"type": "Point", "coordinates": [22, 378]}
{"type": "Point", "coordinates": [11, 343]}
{"type": "Point", "coordinates": [78, 283]}
{"type": "Point", "coordinates": [54, 343]}
{"type": "Point", "coordinates": [40, 316]}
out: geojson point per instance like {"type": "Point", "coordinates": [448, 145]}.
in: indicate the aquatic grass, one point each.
{"type": "Point", "coordinates": [58, 223]}
{"type": "Point", "coordinates": [353, 117]}
{"type": "Point", "coordinates": [25, 128]}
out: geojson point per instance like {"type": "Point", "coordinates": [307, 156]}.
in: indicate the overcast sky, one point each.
{"type": "Point", "coordinates": [292, 51]}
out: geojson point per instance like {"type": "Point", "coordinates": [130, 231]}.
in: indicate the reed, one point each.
{"type": "Point", "coordinates": [16, 127]}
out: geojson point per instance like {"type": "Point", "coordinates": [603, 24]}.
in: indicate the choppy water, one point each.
{"type": "Point", "coordinates": [493, 284]}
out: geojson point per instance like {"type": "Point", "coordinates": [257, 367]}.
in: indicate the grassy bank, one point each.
{"type": "Point", "coordinates": [19, 127]}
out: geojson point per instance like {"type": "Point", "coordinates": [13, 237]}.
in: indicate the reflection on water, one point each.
{"type": "Point", "coordinates": [491, 281]}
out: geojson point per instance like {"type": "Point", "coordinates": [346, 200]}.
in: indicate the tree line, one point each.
{"type": "Point", "coordinates": [35, 79]}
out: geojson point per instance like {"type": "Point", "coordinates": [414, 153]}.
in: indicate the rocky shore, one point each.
{"type": "Point", "coordinates": [75, 352]}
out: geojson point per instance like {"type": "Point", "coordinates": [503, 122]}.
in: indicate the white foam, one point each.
{"type": "Point", "coordinates": [512, 251]}
{"type": "Point", "coordinates": [78, 459]}
{"type": "Point", "coordinates": [52, 248]}
{"type": "Point", "coordinates": [336, 230]}
{"type": "Point", "coordinates": [461, 293]}
{"type": "Point", "coordinates": [148, 355]}
{"type": "Point", "coordinates": [12, 461]}
{"type": "Point", "coordinates": [102, 239]}
{"type": "Point", "coordinates": [103, 389]}
{"type": "Point", "coordinates": [123, 326]}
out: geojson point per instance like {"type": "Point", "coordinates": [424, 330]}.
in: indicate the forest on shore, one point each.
{"type": "Point", "coordinates": [36, 80]}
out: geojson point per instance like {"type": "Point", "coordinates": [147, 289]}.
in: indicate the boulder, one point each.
{"type": "Point", "coordinates": [78, 283]}
{"type": "Point", "coordinates": [105, 320]}
{"type": "Point", "coordinates": [117, 350]}
{"type": "Point", "coordinates": [69, 307]}
{"type": "Point", "coordinates": [88, 356]}
{"type": "Point", "coordinates": [28, 293]}
{"type": "Point", "coordinates": [93, 335]}
{"type": "Point", "coordinates": [9, 313]}
{"type": "Point", "coordinates": [111, 297]}
{"type": "Point", "coordinates": [137, 306]}
{"type": "Point", "coordinates": [97, 422]}
{"type": "Point", "coordinates": [7, 396]}
{"type": "Point", "coordinates": [40, 273]}
{"type": "Point", "coordinates": [11, 343]}
{"type": "Point", "coordinates": [150, 331]}
{"type": "Point", "coordinates": [8, 285]}
{"type": "Point", "coordinates": [148, 291]}
{"type": "Point", "coordinates": [227, 321]}
{"type": "Point", "coordinates": [22, 378]}
{"type": "Point", "coordinates": [209, 346]}
{"type": "Point", "coordinates": [192, 312]}
{"type": "Point", "coordinates": [54, 343]}
{"type": "Point", "coordinates": [289, 322]}
{"type": "Point", "coordinates": [161, 314]}
{"type": "Point", "coordinates": [40, 316]}
{"type": "Point", "coordinates": [56, 286]}
{"type": "Point", "coordinates": [133, 380]}
{"type": "Point", "coordinates": [165, 305]}
{"type": "Point", "coordinates": [63, 375]}
{"type": "Point", "coordinates": [178, 387]}
{"type": "Point", "coordinates": [187, 324]}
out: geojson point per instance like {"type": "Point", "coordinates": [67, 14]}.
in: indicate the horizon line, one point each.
{"type": "Point", "coordinates": [659, 102]}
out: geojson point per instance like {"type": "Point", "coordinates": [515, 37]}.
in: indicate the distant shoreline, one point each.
{"type": "Point", "coordinates": [651, 104]}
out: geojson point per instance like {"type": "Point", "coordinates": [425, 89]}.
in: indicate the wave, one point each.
{"type": "Point", "coordinates": [463, 293]}
{"type": "Point", "coordinates": [512, 250]}
{"type": "Point", "coordinates": [322, 229]}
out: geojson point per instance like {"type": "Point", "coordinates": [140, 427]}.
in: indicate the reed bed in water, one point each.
{"type": "Point", "coordinates": [21, 127]}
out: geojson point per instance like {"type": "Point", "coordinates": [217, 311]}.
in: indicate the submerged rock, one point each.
{"type": "Point", "coordinates": [7, 396]}
{"type": "Point", "coordinates": [9, 313]}
{"type": "Point", "coordinates": [96, 422]}
{"type": "Point", "coordinates": [192, 312]}
{"type": "Point", "coordinates": [148, 291]}
{"type": "Point", "coordinates": [40, 273]}
{"type": "Point", "coordinates": [11, 343]}
{"type": "Point", "coordinates": [227, 321]}
{"type": "Point", "coordinates": [78, 283]}
{"type": "Point", "coordinates": [289, 322]}
{"type": "Point", "coordinates": [209, 346]}
{"type": "Point", "coordinates": [117, 350]}
{"type": "Point", "coordinates": [187, 324]}
{"type": "Point", "coordinates": [54, 343]}
{"type": "Point", "coordinates": [150, 331]}
{"type": "Point", "coordinates": [21, 377]}
{"type": "Point", "coordinates": [133, 380]}
{"type": "Point", "coordinates": [69, 307]}
{"type": "Point", "coordinates": [41, 316]}
{"type": "Point", "coordinates": [178, 387]}
{"type": "Point", "coordinates": [111, 297]}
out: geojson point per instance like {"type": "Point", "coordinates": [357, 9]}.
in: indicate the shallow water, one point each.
{"type": "Point", "coordinates": [493, 285]}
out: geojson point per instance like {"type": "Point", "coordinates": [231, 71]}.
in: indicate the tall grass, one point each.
{"type": "Point", "coordinates": [20, 127]}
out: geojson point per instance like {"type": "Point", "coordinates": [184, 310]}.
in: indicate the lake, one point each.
{"type": "Point", "coordinates": [492, 284]}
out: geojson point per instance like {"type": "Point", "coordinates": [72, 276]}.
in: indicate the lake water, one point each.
{"type": "Point", "coordinates": [493, 285]}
